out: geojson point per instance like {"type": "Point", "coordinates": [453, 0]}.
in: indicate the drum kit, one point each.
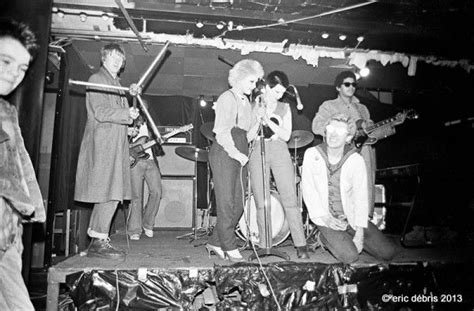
{"type": "Point", "coordinates": [247, 229]}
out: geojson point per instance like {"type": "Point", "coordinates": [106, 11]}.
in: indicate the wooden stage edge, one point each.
{"type": "Point", "coordinates": [166, 252]}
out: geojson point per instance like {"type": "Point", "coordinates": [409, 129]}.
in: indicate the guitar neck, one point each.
{"type": "Point", "coordinates": [381, 123]}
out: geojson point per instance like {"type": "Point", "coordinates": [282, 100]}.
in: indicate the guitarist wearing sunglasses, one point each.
{"type": "Point", "coordinates": [144, 169]}
{"type": "Point", "coordinates": [349, 105]}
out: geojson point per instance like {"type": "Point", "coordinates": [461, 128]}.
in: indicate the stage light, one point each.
{"type": "Point", "coordinates": [220, 25]}
{"type": "Point", "coordinates": [324, 35]}
{"type": "Point", "coordinates": [342, 37]}
{"type": "Point", "coordinates": [230, 25]}
{"type": "Point", "coordinates": [239, 27]}
{"type": "Point", "coordinates": [202, 101]}
{"type": "Point", "coordinates": [83, 17]}
{"type": "Point", "coordinates": [360, 38]}
{"type": "Point", "coordinates": [199, 24]}
{"type": "Point", "coordinates": [364, 72]}
{"type": "Point", "coordinates": [60, 14]}
{"type": "Point", "coordinates": [105, 17]}
{"type": "Point", "coordinates": [54, 9]}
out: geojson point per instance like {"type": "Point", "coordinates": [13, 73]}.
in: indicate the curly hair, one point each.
{"type": "Point", "coordinates": [244, 68]}
{"type": "Point", "coordinates": [344, 75]}
{"type": "Point", "coordinates": [341, 117]}
{"type": "Point", "coordinates": [21, 32]}
{"type": "Point", "coordinates": [278, 77]}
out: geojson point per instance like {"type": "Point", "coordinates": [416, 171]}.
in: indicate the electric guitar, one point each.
{"type": "Point", "coordinates": [266, 130]}
{"type": "Point", "coordinates": [138, 148]}
{"type": "Point", "coordinates": [362, 136]}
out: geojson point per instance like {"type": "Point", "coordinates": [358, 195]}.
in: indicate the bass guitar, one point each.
{"type": "Point", "coordinates": [138, 148]}
{"type": "Point", "coordinates": [363, 135]}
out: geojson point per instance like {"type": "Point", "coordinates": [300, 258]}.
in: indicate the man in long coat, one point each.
{"type": "Point", "coordinates": [103, 168]}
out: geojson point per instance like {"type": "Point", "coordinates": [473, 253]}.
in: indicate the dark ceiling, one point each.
{"type": "Point", "coordinates": [442, 28]}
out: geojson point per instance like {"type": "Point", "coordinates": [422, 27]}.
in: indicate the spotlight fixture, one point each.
{"type": "Point", "coordinates": [324, 35]}
{"type": "Point", "coordinates": [364, 72]}
{"type": "Point", "coordinates": [54, 9]}
{"type": "Point", "coordinates": [83, 17]}
{"type": "Point", "coordinates": [230, 25]}
{"type": "Point", "coordinates": [220, 25]}
{"type": "Point", "coordinates": [202, 101]}
{"type": "Point", "coordinates": [60, 14]}
{"type": "Point", "coordinates": [199, 24]}
{"type": "Point", "coordinates": [360, 38]}
{"type": "Point", "coordinates": [342, 37]}
{"type": "Point", "coordinates": [105, 17]}
{"type": "Point", "coordinates": [239, 27]}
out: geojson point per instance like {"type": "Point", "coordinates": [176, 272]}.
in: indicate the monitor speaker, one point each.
{"type": "Point", "coordinates": [176, 209]}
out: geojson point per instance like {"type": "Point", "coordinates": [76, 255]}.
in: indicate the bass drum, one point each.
{"type": "Point", "coordinates": [280, 229]}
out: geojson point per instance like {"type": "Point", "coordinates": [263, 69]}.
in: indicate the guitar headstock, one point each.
{"type": "Point", "coordinates": [188, 127]}
{"type": "Point", "coordinates": [412, 114]}
{"type": "Point", "coordinates": [406, 114]}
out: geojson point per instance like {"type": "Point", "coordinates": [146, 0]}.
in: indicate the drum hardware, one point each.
{"type": "Point", "coordinates": [248, 227]}
{"type": "Point", "coordinates": [266, 250]}
{"type": "Point", "coordinates": [196, 155]}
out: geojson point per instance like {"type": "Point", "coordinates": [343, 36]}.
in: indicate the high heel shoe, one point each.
{"type": "Point", "coordinates": [216, 250]}
{"type": "Point", "coordinates": [234, 255]}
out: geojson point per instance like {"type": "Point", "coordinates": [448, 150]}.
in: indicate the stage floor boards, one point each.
{"type": "Point", "coordinates": [166, 251]}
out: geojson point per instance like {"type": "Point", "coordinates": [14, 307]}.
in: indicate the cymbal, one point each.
{"type": "Point", "coordinates": [300, 138]}
{"type": "Point", "coordinates": [206, 130]}
{"type": "Point", "coordinates": [192, 153]}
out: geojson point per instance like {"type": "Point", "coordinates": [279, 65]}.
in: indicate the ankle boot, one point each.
{"type": "Point", "coordinates": [302, 252]}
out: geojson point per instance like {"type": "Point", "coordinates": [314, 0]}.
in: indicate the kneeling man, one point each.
{"type": "Point", "coordinates": [334, 185]}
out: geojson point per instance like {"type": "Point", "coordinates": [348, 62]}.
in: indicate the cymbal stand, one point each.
{"type": "Point", "coordinates": [193, 235]}
{"type": "Point", "coordinates": [267, 250]}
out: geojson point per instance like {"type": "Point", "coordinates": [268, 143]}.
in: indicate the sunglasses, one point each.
{"type": "Point", "coordinates": [337, 130]}
{"type": "Point", "coordinates": [347, 84]}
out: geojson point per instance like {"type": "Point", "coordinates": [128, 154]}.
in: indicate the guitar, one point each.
{"type": "Point", "coordinates": [137, 149]}
{"type": "Point", "coordinates": [362, 136]}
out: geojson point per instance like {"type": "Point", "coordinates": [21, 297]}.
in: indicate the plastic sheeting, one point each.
{"type": "Point", "coordinates": [139, 289]}
{"type": "Point", "coordinates": [297, 286]}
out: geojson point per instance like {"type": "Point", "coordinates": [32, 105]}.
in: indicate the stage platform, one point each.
{"type": "Point", "coordinates": [189, 259]}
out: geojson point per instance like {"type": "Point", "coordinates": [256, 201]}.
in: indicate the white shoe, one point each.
{"type": "Point", "coordinates": [211, 249]}
{"type": "Point", "coordinates": [234, 256]}
{"type": "Point", "coordinates": [148, 232]}
{"type": "Point", "coordinates": [135, 237]}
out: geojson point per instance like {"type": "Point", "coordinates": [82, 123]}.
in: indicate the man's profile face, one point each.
{"type": "Point", "coordinates": [113, 61]}
{"type": "Point", "coordinates": [347, 87]}
{"type": "Point", "coordinates": [14, 62]}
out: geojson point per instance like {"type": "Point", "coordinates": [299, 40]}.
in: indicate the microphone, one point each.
{"type": "Point", "coordinates": [299, 104]}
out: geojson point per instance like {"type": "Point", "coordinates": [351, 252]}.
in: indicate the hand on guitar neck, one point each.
{"type": "Point", "coordinates": [367, 134]}
{"type": "Point", "coordinates": [137, 149]}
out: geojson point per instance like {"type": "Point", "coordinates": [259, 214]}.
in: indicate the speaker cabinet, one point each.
{"type": "Point", "coordinates": [171, 164]}
{"type": "Point", "coordinates": [177, 204]}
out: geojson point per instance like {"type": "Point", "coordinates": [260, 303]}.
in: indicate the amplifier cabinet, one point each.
{"type": "Point", "coordinates": [177, 205]}
{"type": "Point", "coordinates": [171, 164]}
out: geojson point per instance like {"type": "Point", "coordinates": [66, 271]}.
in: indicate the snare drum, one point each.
{"type": "Point", "coordinates": [280, 229]}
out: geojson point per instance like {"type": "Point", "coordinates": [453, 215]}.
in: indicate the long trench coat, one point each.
{"type": "Point", "coordinates": [103, 167]}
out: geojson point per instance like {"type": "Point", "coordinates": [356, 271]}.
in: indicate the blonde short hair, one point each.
{"type": "Point", "coordinates": [243, 69]}
{"type": "Point", "coordinates": [341, 117]}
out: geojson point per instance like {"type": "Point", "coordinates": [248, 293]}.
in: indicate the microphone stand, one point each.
{"type": "Point", "coordinates": [267, 250]}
